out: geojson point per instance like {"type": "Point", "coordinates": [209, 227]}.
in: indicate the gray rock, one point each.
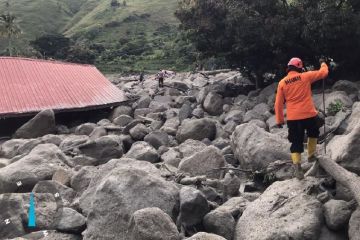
{"type": "Point", "coordinates": [185, 111]}
{"type": "Point", "coordinates": [353, 119]}
{"type": "Point", "coordinates": [337, 214]}
{"type": "Point", "coordinates": [344, 149]}
{"type": "Point", "coordinates": [198, 112]}
{"type": "Point", "coordinates": [53, 139]}
{"type": "Point", "coordinates": [143, 102]}
{"type": "Point", "coordinates": [205, 236]}
{"type": "Point", "coordinates": [62, 176]}
{"type": "Point", "coordinates": [200, 98]}
{"type": "Point", "coordinates": [139, 132]}
{"type": "Point", "coordinates": [221, 143]}
{"type": "Point", "coordinates": [259, 112]}
{"type": "Point", "coordinates": [81, 179]}
{"type": "Point", "coordinates": [193, 207]}
{"type": "Point", "coordinates": [104, 122]}
{"type": "Point", "coordinates": [220, 223]}
{"type": "Point", "coordinates": [43, 123]}
{"type": "Point", "coordinates": [82, 160]}
{"type": "Point", "coordinates": [282, 206]}
{"type": "Point", "coordinates": [235, 206]}
{"type": "Point", "coordinates": [231, 184]}
{"type": "Point", "coordinates": [119, 189]}
{"type": "Point", "coordinates": [143, 151]}
{"type": "Point", "coordinates": [197, 129]}
{"type": "Point", "coordinates": [354, 225]}
{"type": "Point", "coordinates": [98, 132]}
{"type": "Point", "coordinates": [40, 164]}
{"type": "Point", "coordinates": [120, 110]}
{"type": "Point", "coordinates": [190, 147]}
{"type": "Point", "coordinates": [13, 208]}
{"type": "Point", "coordinates": [103, 149]}
{"type": "Point", "coordinates": [141, 112]}
{"type": "Point", "coordinates": [123, 120]}
{"type": "Point", "coordinates": [255, 148]}
{"type": "Point", "coordinates": [51, 234]}
{"type": "Point", "coordinates": [67, 194]}
{"type": "Point", "coordinates": [346, 86]}
{"type": "Point", "coordinates": [71, 221]}
{"type": "Point", "coordinates": [152, 223]}
{"type": "Point", "coordinates": [85, 129]}
{"type": "Point", "coordinates": [235, 116]}
{"type": "Point", "coordinates": [331, 98]}
{"type": "Point", "coordinates": [72, 141]}
{"type": "Point", "coordinates": [18, 147]}
{"type": "Point", "coordinates": [203, 163]}
{"type": "Point", "coordinates": [171, 126]}
{"type": "Point", "coordinates": [171, 157]}
{"type": "Point", "coordinates": [62, 129]}
{"type": "Point", "coordinates": [213, 104]}
{"type": "Point", "coordinates": [157, 139]}
{"type": "Point", "coordinates": [327, 234]}
{"type": "Point", "coordinates": [4, 162]}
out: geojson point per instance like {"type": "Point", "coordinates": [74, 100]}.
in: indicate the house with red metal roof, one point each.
{"type": "Point", "coordinates": [28, 86]}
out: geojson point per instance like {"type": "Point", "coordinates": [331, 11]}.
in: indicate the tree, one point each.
{"type": "Point", "coordinates": [52, 45]}
{"type": "Point", "coordinates": [261, 36]}
{"type": "Point", "coordinates": [9, 29]}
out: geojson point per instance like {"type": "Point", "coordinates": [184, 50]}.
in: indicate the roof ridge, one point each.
{"type": "Point", "coordinates": [45, 60]}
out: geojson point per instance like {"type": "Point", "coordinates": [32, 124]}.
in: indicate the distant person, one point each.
{"type": "Point", "coordinates": [160, 77]}
{"type": "Point", "coordinates": [141, 77]}
{"type": "Point", "coordinates": [295, 91]}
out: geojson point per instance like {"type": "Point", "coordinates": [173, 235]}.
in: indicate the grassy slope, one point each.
{"type": "Point", "coordinates": [79, 17]}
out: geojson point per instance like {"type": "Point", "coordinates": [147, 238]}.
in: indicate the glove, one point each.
{"type": "Point", "coordinates": [279, 125]}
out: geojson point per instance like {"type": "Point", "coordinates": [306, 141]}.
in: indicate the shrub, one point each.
{"type": "Point", "coordinates": [335, 107]}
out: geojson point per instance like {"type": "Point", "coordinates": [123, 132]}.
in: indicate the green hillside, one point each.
{"type": "Point", "coordinates": [141, 28]}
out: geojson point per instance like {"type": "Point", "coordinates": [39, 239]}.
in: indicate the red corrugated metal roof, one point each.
{"type": "Point", "coordinates": [31, 85]}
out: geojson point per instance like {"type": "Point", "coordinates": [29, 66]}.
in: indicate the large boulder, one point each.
{"type": "Point", "coordinates": [103, 149]}
{"type": "Point", "coordinates": [120, 110]}
{"type": "Point", "coordinates": [193, 207]}
{"type": "Point", "coordinates": [260, 112]}
{"type": "Point", "coordinates": [220, 223]}
{"type": "Point", "coordinates": [206, 162]}
{"type": "Point", "coordinates": [196, 129]}
{"type": "Point", "coordinates": [49, 234]}
{"type": "Point", "coordinates": [15, 147]}
{"type": "Point", "coordinates": [152, 223]}
{"type": "Point", "coordinates": [143, 151]}
{"type": "Point", "coordinates": [85, 129]}
{"type": "Point", "coordinates": [40, 164]}
{"type": "Point", "coordinates": [157, 139]}
{"type": "Point", "coordinates": [337, 214]}
{"type": "Point", "coordinates": [73, 141]}
{"type": "Point", "coordinates": [354, 118]}
{"type": "Point", "coordinates": [327, 234]}
{"type": "Point", "coordinates": [213, 104]}
{"type": "Point", "coordinates": [43, 123]}
{"type": "Point", "coordinates": [171, 126]}
{"type": "Point", "coordinates": [283, 211]}
{"type": "Point", "coordinates": [354, 225]}
{"type": "Point", "coordinates": [14, 209]}
{"type": "Point", "coordinates": [71, 221]}
{"type": "Point", "coordinates": [190, 147]}
{"type": "Point", "coordinates": [205, 236]}
{"type": "Point", "coordinates": [139, 132]}
{"type": "Point", "coordinates": [119, 189]}
{"type": "Point", "coordinates": [332, 98]}
{"type": "Point", "coordinates": [346, 86]}
{"type": "Point", "coordinates": [255, 148]}
{"type": "Point", "coordinates": [345, 150]}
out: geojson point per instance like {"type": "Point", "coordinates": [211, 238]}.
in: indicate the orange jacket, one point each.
{"type": "Point", "coordinates": [295, 91]}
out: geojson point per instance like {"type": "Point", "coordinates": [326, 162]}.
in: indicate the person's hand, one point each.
{"type": "Point", "coordinates": [322, 60]}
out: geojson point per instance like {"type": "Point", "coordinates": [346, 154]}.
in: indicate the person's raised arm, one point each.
{"type": "Point", "coordinates": [314, 76]}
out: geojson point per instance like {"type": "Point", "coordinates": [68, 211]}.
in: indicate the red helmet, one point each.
{"type": "Point", "coordinates": [296, 62]}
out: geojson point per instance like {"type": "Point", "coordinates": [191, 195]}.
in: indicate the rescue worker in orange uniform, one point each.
{"type": "Point", "coordinates": [294, 90]}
